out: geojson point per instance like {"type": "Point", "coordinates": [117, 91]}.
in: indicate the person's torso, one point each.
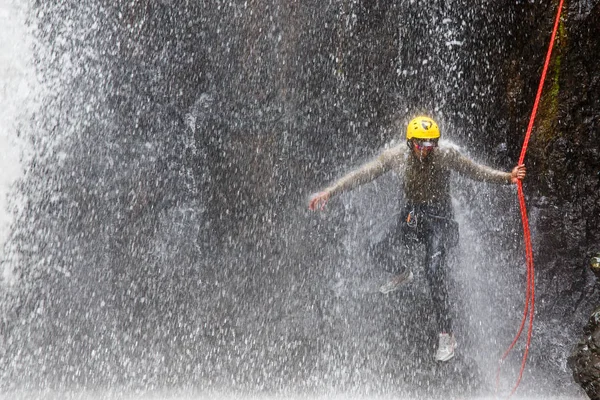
{"type": "Point", "coordinates": [426, 181]}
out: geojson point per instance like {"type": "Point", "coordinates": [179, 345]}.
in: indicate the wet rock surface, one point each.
{"type": "Point", "coordinates": [565, 169]}
{"type": "Point", "coordinates": [585, 359]}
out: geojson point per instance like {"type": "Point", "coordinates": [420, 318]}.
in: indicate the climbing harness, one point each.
{"type": "Point", "coordinates": [530, 291]}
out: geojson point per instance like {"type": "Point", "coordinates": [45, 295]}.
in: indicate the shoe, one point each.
{"type": "Point", "coordinates": [397, 281]}
{"type": "Point", "coordinates": [446, 347]}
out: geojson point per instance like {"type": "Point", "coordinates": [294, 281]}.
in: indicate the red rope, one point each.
{"type": "Point", "coordinates": [530, 292]}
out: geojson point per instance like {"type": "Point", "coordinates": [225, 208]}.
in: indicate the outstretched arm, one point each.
{"type": "Point", "coordinates": [365, 173]}
{"type": "Point", "coordinates": [470, 168]}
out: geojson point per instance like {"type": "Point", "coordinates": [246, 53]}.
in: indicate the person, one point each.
{"type": "Point", "coordinates": [427, 218]}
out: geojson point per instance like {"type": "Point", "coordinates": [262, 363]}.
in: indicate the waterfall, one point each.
{"type": "Point", "coordinates": [18, 88]}
{"type": "Point", "coordinates": [157, 161]}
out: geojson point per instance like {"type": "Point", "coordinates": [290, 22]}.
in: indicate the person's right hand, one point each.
{"type": "Point", "coordinates": [318, 200]}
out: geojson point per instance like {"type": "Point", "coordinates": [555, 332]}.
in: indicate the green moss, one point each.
{"type": "Point", "coordinates": [549, 105]}
{"type": "Point", "coordinates": [545, 132]}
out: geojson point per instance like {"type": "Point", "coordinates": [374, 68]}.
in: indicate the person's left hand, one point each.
{"type": "Point", "coordinates": [318, 200]}
{"type": "Point", "coordinates": [518, 173]}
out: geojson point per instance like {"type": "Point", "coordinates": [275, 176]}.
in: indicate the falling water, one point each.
{"type": "Point", "coordinates": [156, 162]}
{"type": "Point", "coordinates": [17, 87]}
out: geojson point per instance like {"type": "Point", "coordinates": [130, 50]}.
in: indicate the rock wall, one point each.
{"type": "Point", "coordinates": [563, 187]}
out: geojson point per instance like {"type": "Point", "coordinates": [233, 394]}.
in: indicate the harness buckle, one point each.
{"type": "Point", "coordinates": [411, 219]}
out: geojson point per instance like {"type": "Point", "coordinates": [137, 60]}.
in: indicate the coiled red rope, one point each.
{"type": "Point", "coordinates": [530, 291]}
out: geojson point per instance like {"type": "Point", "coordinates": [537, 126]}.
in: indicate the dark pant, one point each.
{"type": "Point", "coordinates": [434, 227]}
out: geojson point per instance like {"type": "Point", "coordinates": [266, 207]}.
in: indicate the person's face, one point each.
{"type": "Point", "coordinates": [421, 148]}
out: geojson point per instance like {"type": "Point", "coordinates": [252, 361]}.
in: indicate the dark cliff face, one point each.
{"type": "Point", "coordinates": [569, 188]}
{"type": "Point", "coordinates": [586, 356]}
{"type": "Point", "coordinates": [564, 173]}
{"type": "Point", "coordinates": [564, 168]}
{"type": "Point", "coordinates": [167, 230]}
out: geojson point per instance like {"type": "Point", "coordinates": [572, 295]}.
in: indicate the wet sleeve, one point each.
{"type": "Point", "coordinates": [465, 166]}
{"type": "Point", "coordinates": [366, 173]}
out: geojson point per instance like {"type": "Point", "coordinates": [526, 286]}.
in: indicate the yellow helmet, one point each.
{"type": "Point", "coordinates": [422, 128]}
